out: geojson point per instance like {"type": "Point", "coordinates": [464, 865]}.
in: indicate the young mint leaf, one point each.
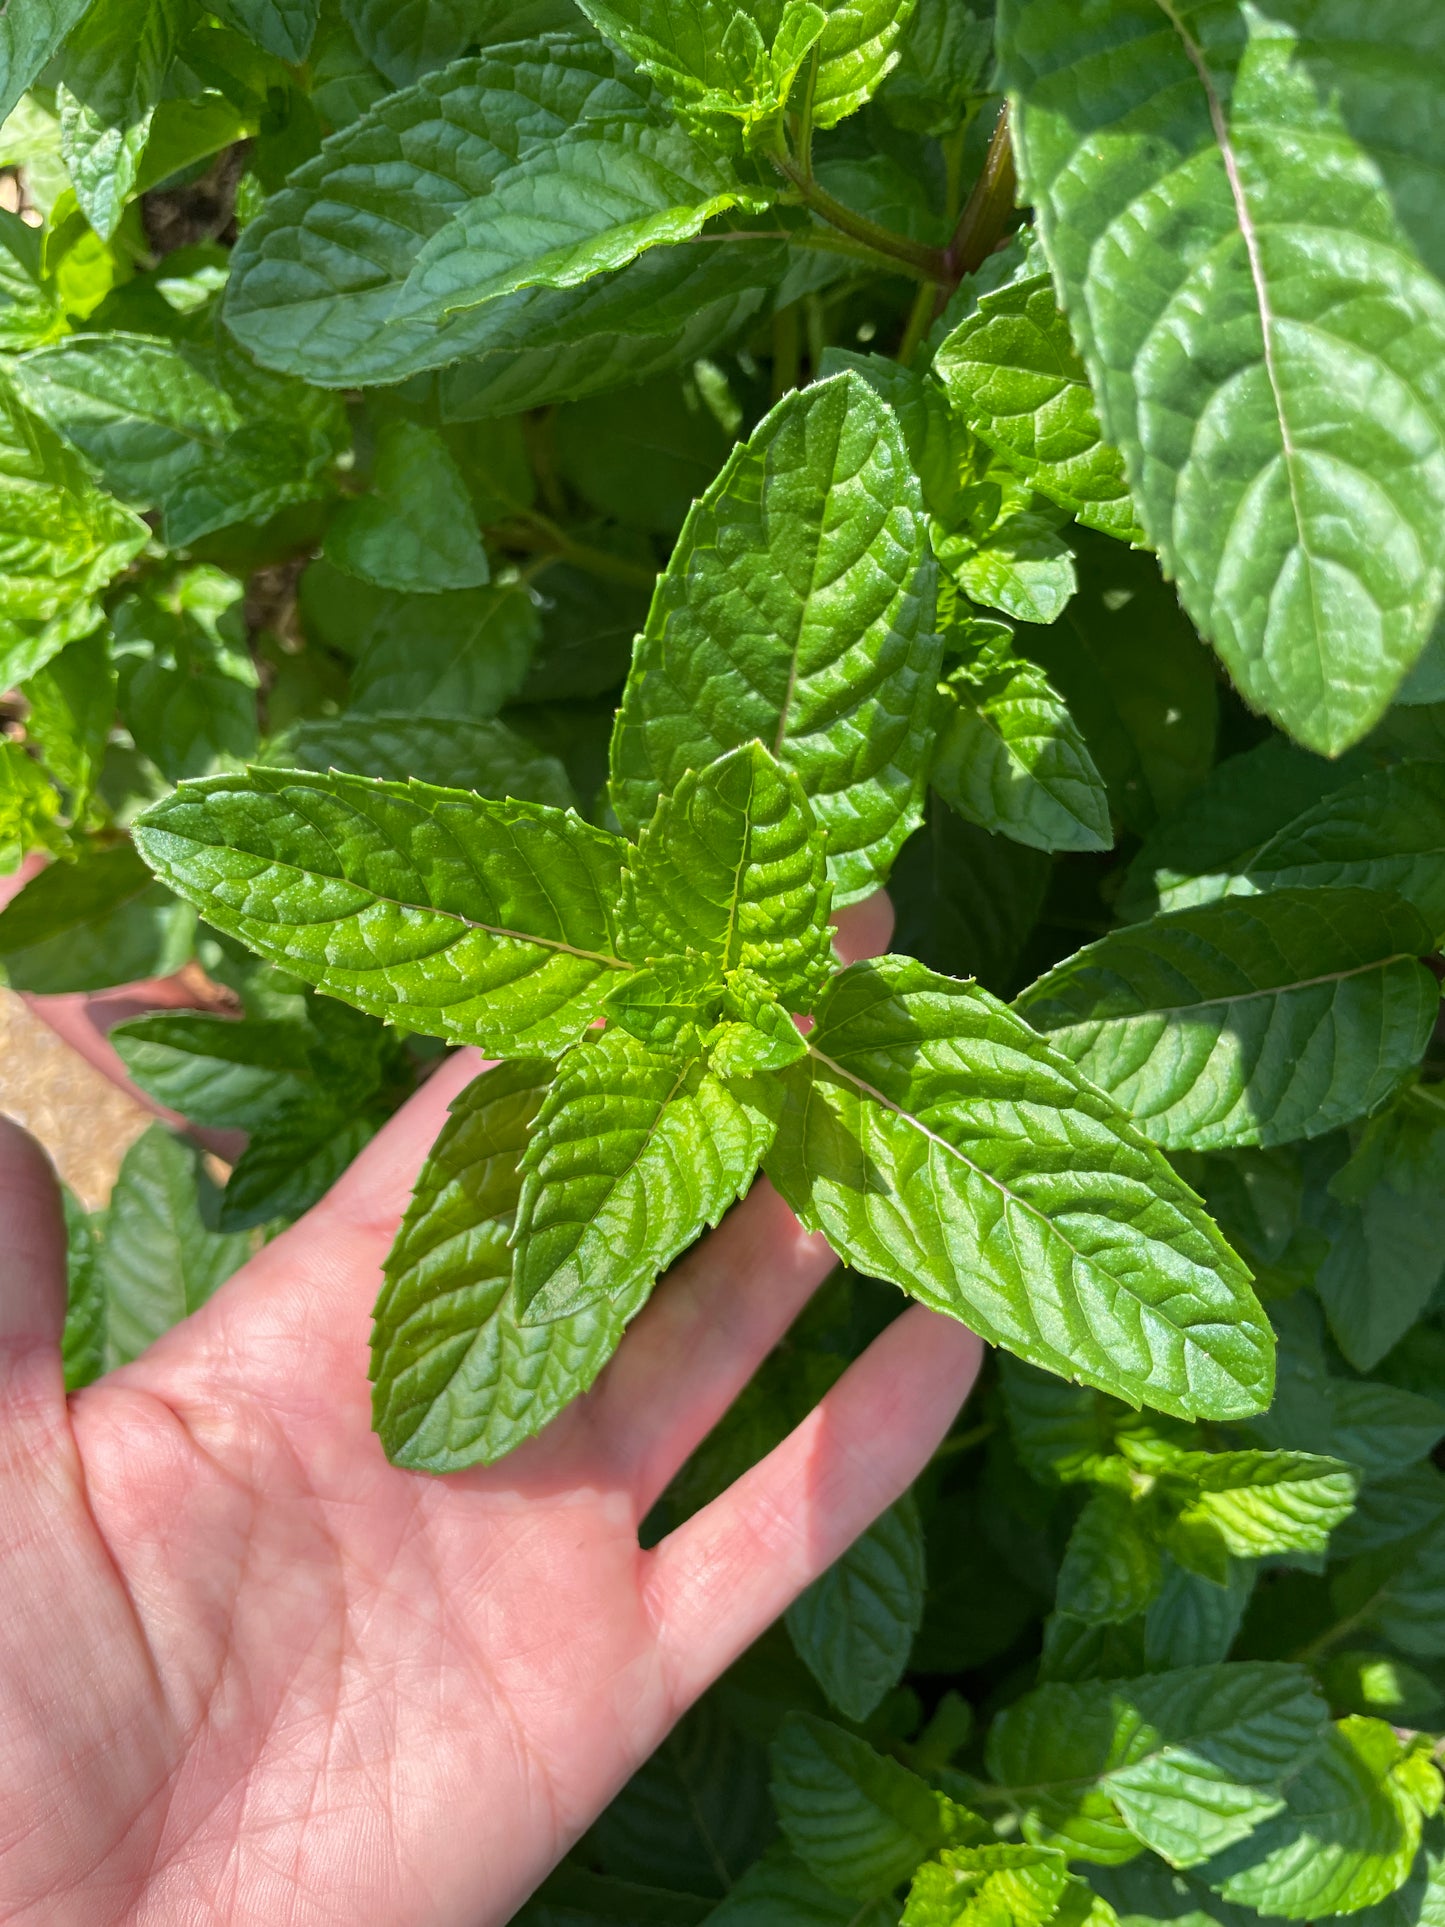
{"type": "Point", "coordinates": [61, 539]}
{"type": "Point", "coordinates": [857, 1820]}
{"type": "Point", "coordinates": [29, 807]}
{"type": "Point", "coordinates": [282, 27]}
{"type": "Point", "coordinates": [1385, 1215]}
{"type": "Point", "coordinates": [1345, 1839]}
{"type": "Point", "coordinates": [1013, 373]}
{"type": "Point", "coordinates": [1010, 758]}
{"type": "Point", "coordinates": [157, 1262]}
{"type": "Point", "coordinates": [1111, 1569]}
{"type": "Point", "coordinates": [797, 609]}
{"type": "Point", "coordinates": [854, 1628]}
{"type": "Point", "coordinates": [186, 679]}
{"type": "Point", "coordinates": [732, 869]}
{"type": "Point", "coordinates": [971, 1886]}
{"type": "Point", "coordinates": [1189, 1761]}
{"type": "Point", "coordinates": [458, 1380]}
{"type": "Point", "coordinates": [633, 1153]}
{"type": "Point", "coordinates": [112, 70]}
{"type": "Point", "coordinates": [416, 531]}
{"type": "Point", "coordinates": [779, 1891]}
{"type": "Point", "coordinates": [172, 425]}
{"type": "Point", "coordinates": [1255, 496]}
{"type": "Point", "coordinates": [1257, 1502]}
{"type": "Point", "coordinates": [98, 921]}
{"type": "Point", "coordinates": [940, 1143]}
{"type": "Point", "coordinates": [485, 922]}
{"type": "Point", "coordinates": [529, 136]}
{"type": "Point", "coordinates": [1249, 1021]}
{"type": "Point", "coordinates": [1018, 561]}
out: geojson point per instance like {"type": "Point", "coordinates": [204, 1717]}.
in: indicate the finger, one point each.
{"type": "Point", "coordinates": [865, 929]}
{"type": "Point", "coordinates": [720, 1580]}
{"type": "Point", "coordinates": [705, 1332]}
{"type": "Point", "coordinates": [32, 1266]}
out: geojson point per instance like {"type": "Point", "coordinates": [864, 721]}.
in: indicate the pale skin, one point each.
{"type": "Point", "coordinates": [251, 1673]}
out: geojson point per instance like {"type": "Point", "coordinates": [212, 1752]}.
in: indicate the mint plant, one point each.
{"type": "Point", "coordinates": [514, 517]}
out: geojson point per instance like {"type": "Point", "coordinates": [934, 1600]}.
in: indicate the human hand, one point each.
{"type": "Point", "coordinates": [251, 1673]}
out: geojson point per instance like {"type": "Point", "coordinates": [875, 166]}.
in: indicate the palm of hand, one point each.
{"type": "Point", "coordinates": [253, 1673]}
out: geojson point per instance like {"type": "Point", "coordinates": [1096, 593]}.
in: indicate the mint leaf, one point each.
{"type": "Point", "coordinates": [186, 679]}
{"type": "Point", "coordinates": [405, 39]}
{"type": "Point", "coordinates": [112, 69]}
{"type": "Point", "coordinates": [779, 1891]}
{"type": "Point", "coordinates": [416, 530]}
{"type": "Point", "coordinates": [60, 538]}
{"type": "Point", "coordinates": [1012, 371]}
{"type": "Point", "coordinates": [797, 609]}
{"type": "Point", "coordinates": [1010, 758]}
{"type": "Point", "coordinates": [965, 900]}
{"type": "Point", "coordinates": [457, 654]}
{"type": "Point", "coordinates": [854, 1628]}
{"type": "Point", "coordinates": [179, 427]}
{"type": "Point", "coordinates": [858, 1820]}
{"type": "Point", "coordinates": [29, 807]}
{"type": "Point", "coordinates": [731, 869]}
{"type": "Point", "coordinates": [1345, 1839]}
{"type": "Point", "coordinates": [634, 1151]}
{"type": "Point", "coordinates": [157, 1262]}
{"type": "Point", "coordinates": [1250, 1021]}
{"type": "Point", "coordinates": [968, 1886]}
{"type": "Point", "coordinates": [485, 922]}
{"type": "Point", "coordinates": [1111, 1569]}
{"type": "Point", "coordinates": [1257, 1502]}
{"type": "Point", "coordinates": [28, 37]}
{"type": "Point", "coordinates": [214, 1070]}
{"type": "Point", "coordinates": [940, 1143]}
{"type": "Point", "coordinates": [283, 27]}
{"type": "Point", "coordinates": [1189, 1761]}
{"type": "Point", "coordinates": [449, 751]}
{"type": "Point", "coordinates": [72, 711]}
{"type": "Point", "coordinates": [1398, 1590]}
{"type": "Point", "coordinates": [98, 921]}
{"type": "Point", "coordinates": [1317, 605]}
{"type": "Point", "coordinates": [1194, 1621]}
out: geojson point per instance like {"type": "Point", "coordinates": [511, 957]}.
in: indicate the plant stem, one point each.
{"type": "Point", "coordinates": [931, 263]}
{"type": "Point", "coordinates": [986, 213]}
{"type": "Point", "coordinates": [540, 534]}
{"type": "Point", "coordinates": [920, 315]}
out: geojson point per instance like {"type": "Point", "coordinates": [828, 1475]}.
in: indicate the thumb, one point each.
{"type": "Point", "coordinates": [32, 1260]}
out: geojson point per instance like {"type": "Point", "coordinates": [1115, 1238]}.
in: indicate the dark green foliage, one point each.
{"type": "Point", "coordinates": [607, 487]}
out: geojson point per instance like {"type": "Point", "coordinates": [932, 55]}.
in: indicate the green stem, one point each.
{"type": "Point", "coordinates": [988, 209]}
{"type": "Point", "coordinates": [920, 316]}
{"type": "Point", "coordinates": [540, 534]}
{"type": "Point", "coordinates": [931, 263]}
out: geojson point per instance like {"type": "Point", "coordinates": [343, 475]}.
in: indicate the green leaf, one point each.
{"type": "Point", "coordinates": [113, 67]}
{"type": "Point", "coordinates": [642, 454]}
{"type": "Point", "coordinates": [1195, 1621]}
{"type": "Point", "coordinates": [972, 1886]}
{"type": "Point", "coordinates": [472, 188]}
{"type": "Point", "coordinates": [854, 1627]}
{"type": "Point", "coordinates": [482, 922]}
{"type": "Point", "coordinates": [1111, 1569]}
{"type": "Point", "coordinates": [179, 427]}
{"type": "Point", "coordinates": [1147, 1893]}
{"type": "Point", "coordinates": [305, 1144]}
{"type": "Point", "coordinates": [1186, 1762]}
{"type": "Point", "coordinates": [1136, 678]}
{"type": "Point", "coordinates": [797, 609]}
{"type": "Point", "coordinates": [1011, 758]}
{"type": "Point", "coordinates": [1420, 1902]}
{"type": "Point", "coordinates": [940, 1143]}
{"type": "Point", "coordinates": [634, 1151]}
{"type": "Point", "coordinates": [779, 1891]}
{"type": "Point", "coordinates": [1258, 1502]}
{"type": "Point", "coordinates": [1186, 178]}
{"type": "Point", "coordinates": [1063, 1434]}
{"type": "Point", "coordinates": [215, 1071]}
{"type": "Point", "coordinates": [731, 870]}
{"type": "Point", "coordinates": [29, 807]}
{"type": "Point", "coordinates": [943, 59]}
{"type": "Point", "coordinates": [1249, 1021]}
{"type": "Point", "coordinates": [1379, 1685]}
{"type": "Point", "coordinates": [416, 531]}
{"type": "Point", "coordinates": [1345, 1839]}
{"type": "Point", "coordinates": [966, 901]}
{"type": "Point", "coordinates": [98, 921]}
{"type": "Point", "coordinates": [60, 539]}
{"type": "Point", "coordinates": [1399, 1591]}
{"type": "Point", "coordinates": [157, 1262]}
{"type": "Point", "coordinates": [282, 27]}
{"type": "Point", "coordinates": [452, 752]}
{"type": "Point", "coordinates": [83, 1340]}
{"type": "Point", "coordinates": [1012, 371]}
{"type": "Point", "coordinates": [30, 312]}
{"type": "Point", "coordinates": [187, 681]}
{"type": "Point", "coordinates": [29, 35]}
{"type": "Point", "coordinates": [405, 39]}
{"type": "Point", "coordinates": [458, 1379]}
{"type": "Point", "coordinates": [1385, 1215]}
{"type": "Point", "coordinates": [459, 654]}
{"type": "Point", "coordinates": [72, 711]}
{"type": "Point", "coordinates": [1021, 564]}
{"type": "Point", "coordinates": [858, 1820]}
